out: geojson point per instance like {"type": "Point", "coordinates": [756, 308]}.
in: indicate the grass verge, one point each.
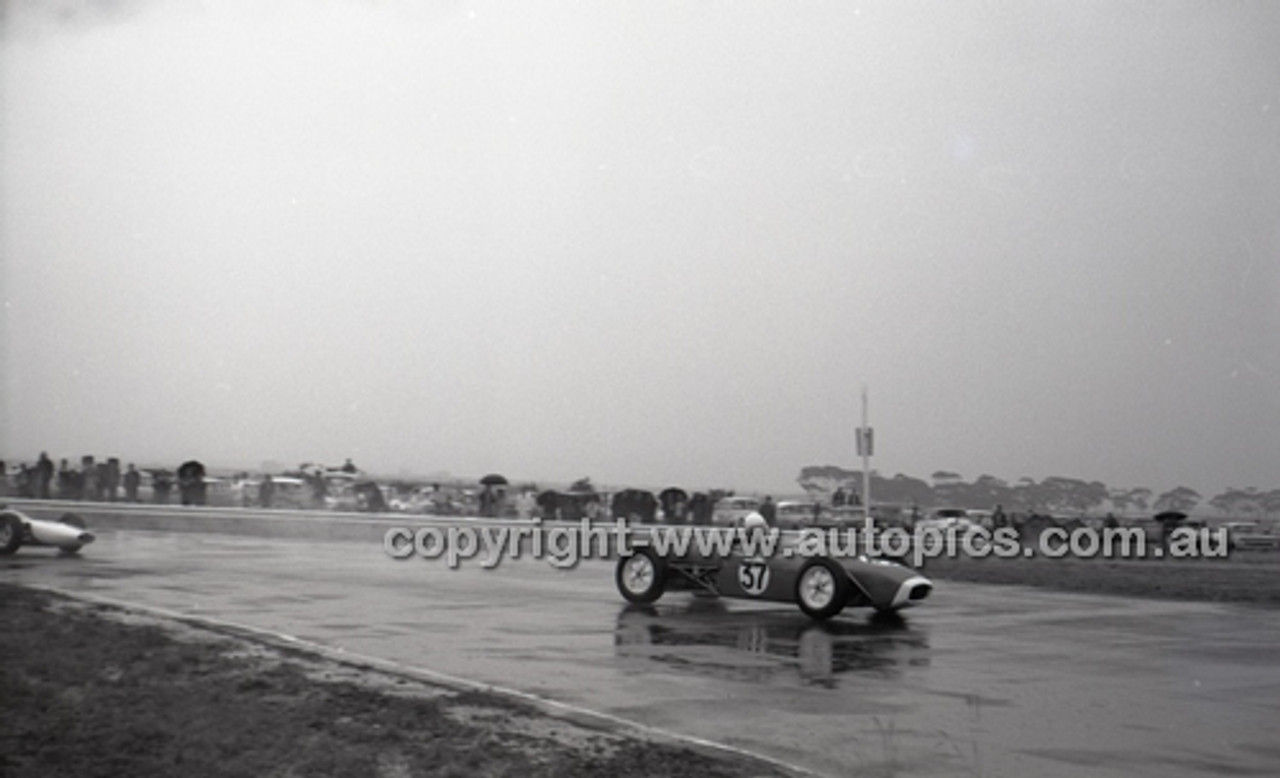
{"type": "Point", "coordinates": [91, 690]}
{"type": "Point", "coordinates": [1246, 577]}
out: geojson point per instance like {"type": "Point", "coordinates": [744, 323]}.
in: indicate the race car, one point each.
{"type": "Point", "coordinates": [67, 534]}
{"type": "Point", "coordinates": [821, 585]}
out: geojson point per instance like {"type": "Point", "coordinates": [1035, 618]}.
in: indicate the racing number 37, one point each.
{"type": "Point", "coordinates": [753, 575]}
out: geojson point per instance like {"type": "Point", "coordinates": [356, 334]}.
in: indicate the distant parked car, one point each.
{"type": "Point", "coordinates": [730, 511]}
{"type": "Point", "coordinates": [797, 514]}
{"type": "Point", "coordinates": [949, 520]}
{"type": "Point", "coordinates": [1244, 535]}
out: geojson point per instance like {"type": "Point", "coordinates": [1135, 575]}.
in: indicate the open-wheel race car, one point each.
{"type": "Point", "coordinates": [821, 585]}
{"type": "Point", "coordinates": [68, 534]}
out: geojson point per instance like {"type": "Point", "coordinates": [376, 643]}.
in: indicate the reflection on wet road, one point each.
{"type": "Point", "coordinates": [704, 635]}
{"type": "Point", "coordinates": [977, 681]}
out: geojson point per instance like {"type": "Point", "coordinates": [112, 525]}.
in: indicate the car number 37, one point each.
{"type": "Point", "coordinates": [753, 576]}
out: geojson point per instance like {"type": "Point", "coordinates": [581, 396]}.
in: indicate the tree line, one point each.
{"type": "Point", "coordinates": [1054, 494]}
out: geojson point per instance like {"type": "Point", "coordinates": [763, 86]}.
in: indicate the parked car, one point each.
{"type": "Point", "coordinates": [730, 511]}
{"type": "Point", "coordinates": [797, 514]}
{"type": "Point", "coordinates": [1242, 535]}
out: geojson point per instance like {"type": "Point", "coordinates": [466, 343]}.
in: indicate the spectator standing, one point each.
{"type": "Point", "coordinates": [88, 478]}
{"type": "Point", "coordinates": [525, 504]}
{"type": "Point", "coordinates": [132, 479]}
{"type": "Point", "coordinates": [44, 475]}
{"type": "Point", "coordinates": [103, 475]}
{"type": "Point", "coordinates": [162, 484]}
{"type": "Point", "coordinates": [191, 482]}
{"type": "Point", "coordinates": [769, 511]}
{"type": "Point", "coordinates": [112, 479]}
{"type": "Point", "coordinates": [266, 491]}
{"type": "Point", "coordinates": [998, 518]}
{"type": "Point", "coordinates": [320, 490]}
{"type": "Point", "coordinates": [26, 481]}
{"type": "Point", "coordinates": [66, 480]}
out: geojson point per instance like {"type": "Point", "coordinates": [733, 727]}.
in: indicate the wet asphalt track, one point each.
{"type": "Point", "coordinates": [977, 681]}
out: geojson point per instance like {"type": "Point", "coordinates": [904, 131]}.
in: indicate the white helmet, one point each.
{"type": "Point", "coordinates": [754, 520]}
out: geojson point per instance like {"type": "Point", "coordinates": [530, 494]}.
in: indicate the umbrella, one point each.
{"type": "Point", "coordinates": [1169, 516]}
{"type": "Point", "coordinates": [493, 479]}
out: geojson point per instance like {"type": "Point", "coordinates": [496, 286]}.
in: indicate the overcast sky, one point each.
{"type": "Point", "coordinates": [647, 242]}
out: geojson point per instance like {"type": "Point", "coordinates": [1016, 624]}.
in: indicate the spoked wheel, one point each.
{"type": "Point", "coordinates": [641, 577]}
{"type": "Point", "coordinates": [10, 533]}
{"type": "Point", "coordinates": [822, 589]}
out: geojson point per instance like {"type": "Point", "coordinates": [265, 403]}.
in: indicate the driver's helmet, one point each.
{"type": "Point", "coordinates": [754, 520]}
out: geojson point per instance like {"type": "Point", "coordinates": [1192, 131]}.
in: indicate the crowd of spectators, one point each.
{"type": "Point", "coordinates": [101, 481]}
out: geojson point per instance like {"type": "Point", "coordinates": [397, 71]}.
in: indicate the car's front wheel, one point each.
{"type": "Point", "coordinates": [10, 533]}
{"type": "Point", "coordinates": [822, 589]}
{"type": "Point", "coordinates": [641, 577]}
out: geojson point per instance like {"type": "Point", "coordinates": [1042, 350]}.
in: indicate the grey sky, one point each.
{"type": "Point", "coordinates": [648, 242]}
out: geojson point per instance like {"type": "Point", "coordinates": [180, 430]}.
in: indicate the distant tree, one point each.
{"type": "Point", "coordinates": [902, 489]}
{"type": "Point", "coordinates": [1025, 494]}
{"type": "Point", "coordinates": [1271, 502]}
{"type": "Point", "coordinates": [582, 485]}
{"type": "Point", "coordinates": [1140, 497]}
{"type": "Point", "coordinates": [820, 481]}
{"type": "Point", "coordinates": [1072, 495]}
{"type": "Point", "coordinates": [1092, 495]}
{"type": "Point", "coordinates": [1225, 503]}
{"type": "Point", "coordinates": [1119, 498]}
{"type": "Point", "coordinates": [1180, 498]}
{"type": "Point", "coordinates": [1248, 502]}
{"type": "Point", "coordinates": [987, 491]}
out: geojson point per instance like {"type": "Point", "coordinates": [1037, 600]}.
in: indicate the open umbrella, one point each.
{"type": "Point", "coordinates": [493, 479]}
{"type": "Point", "coordinates": [1169, 517]}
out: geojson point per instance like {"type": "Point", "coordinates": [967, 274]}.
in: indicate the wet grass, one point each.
{"type": "Point", "coordinates": [85, 693]}
{"type": "Point", "coordinates": [1244, 577]}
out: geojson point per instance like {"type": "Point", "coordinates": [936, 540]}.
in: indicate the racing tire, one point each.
{"type": "Point", "coordinates": [641, 577]}
{"type": "Point", "coordinates": [10, 533]}
{"type": "Point", "coordinates": [822, 589]}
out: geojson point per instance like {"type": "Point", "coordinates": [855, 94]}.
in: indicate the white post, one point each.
{"type": "Point", "coordinates": [865, 433]}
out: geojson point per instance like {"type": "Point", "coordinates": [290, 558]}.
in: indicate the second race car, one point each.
{"type": "Point", "coordinates": [68, 534]}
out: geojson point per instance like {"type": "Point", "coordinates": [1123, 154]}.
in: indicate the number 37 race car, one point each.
{"type": "Point", "coordinates": [17, 529]}
{"type": "Point", "coordinates": [821, 585]}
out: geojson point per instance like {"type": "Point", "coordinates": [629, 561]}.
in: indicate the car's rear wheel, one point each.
{"type": "Point", "coordinates": [822, 589]}
{"type": "Point", "coordinates": [641, 577]}
{"type": "Point", "coordinates": [10, 533]}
